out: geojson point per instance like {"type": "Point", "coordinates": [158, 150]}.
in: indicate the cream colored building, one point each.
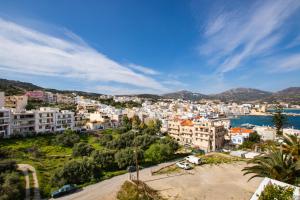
{"type": "Point", "coordinates": [206, 134]}
{"type": "Point", "coordinates": [16, 102]}
{"type": "Point", "coordinates": [23, 122]}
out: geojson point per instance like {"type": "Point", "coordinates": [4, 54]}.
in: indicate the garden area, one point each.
{"type": "Point", "coordinates": [82, 159]}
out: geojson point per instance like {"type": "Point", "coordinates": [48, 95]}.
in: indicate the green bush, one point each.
{"type": "Point", "coordinates": [77, 172]}
{"type": "Point", "coordinates": [277, 192]}
{"type": "Point", "coordinates": [82, 149]}
{"type": "Point", "coordinates": [105, 159]}
{"type": "Point", "coordinates": [67, 139]}
{"type": "Point", "coordinates": [11, 186]}
{"type": "Point", "coordinates": [159, 152]}
{"type": "Point", "coordinates": [126, 157]}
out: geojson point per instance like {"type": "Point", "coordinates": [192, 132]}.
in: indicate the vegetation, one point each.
{"type": "Point", "coordinates": [82, 149]}
{"type": "Point", "coordinates": [111, 102]}
{"type": "Point", "coordinates": [67, 139]}
{"type": "Point", "coordinates": [77, 172]}
{"type": "Point", "coordinates": [35, 104]}
{"type": "Point", "coordinates": [280, 163]}
{"type": "Point", "coordinates": [11, 182]}
{"type": "Point", "coordinates": [276, 192]}
{"type": "Point", "coordinates": [58, 157]}
{"type": "Point", "coordinates": [218, 158]}
{"type": "Point", "coordinates": [159, 152]}
{"type": "Point", "coordinates": [279, 119]}
{"type": "Point", "coordinates": [168, 170]}
{"type": "Point", "coordinates": [130, 191]}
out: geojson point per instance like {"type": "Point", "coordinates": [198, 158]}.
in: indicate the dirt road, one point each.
{"type": "Point", "coordinates": [26, 169]}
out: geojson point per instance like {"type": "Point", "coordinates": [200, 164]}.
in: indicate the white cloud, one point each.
{"type": "Point", "coordinates": [234, 37]}
{"type": "Point", "coordinates": [142, 69]}
{"type": "Point", "coordinates": [120, 90]}
{"type": "Point", "coordinates": [285, 64]}
{"type": "Point", "coordinates": [25, 50]}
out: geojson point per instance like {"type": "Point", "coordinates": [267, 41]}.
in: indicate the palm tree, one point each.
{"type": "Point", "coordinates": [291, 145]}
{"type": "Point", "coordinates": [276, 165]}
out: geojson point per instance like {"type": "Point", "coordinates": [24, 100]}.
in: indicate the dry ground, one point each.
{"type": "Point", "coordinates": [225, 181]}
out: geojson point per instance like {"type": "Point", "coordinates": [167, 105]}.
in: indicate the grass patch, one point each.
{"type": "Point", "coordinates": [168, 170]}
{"type": "Point", "coordinates": [130, 191]}
{"type": "Point", "coordinates": [219, 158]}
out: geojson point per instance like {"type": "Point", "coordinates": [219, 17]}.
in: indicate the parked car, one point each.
{"type": "Point", "coordinates": [184, 165]}
{"type": "Point", "coordinates": [193, 159]}
{"type": "Point", "coordinates": [66, 189]}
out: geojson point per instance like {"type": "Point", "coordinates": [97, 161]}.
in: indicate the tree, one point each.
{"type": "Point", "coordinates": [11, 186]}
{"type": "Point", "coordinates": [144, 141]}
{"type": "Point", "coordinates": [159, 152]}
{"type": "Point", "coordinates": [77, 172]}
{"type": "Point", "coordinates": [254, 137]}
{"type": "Point", "coordinates": [173, 143]}
{"type": "Point", "coordinates": [126, 122]}
{"type": "Point", "coordinates": [126, 157]}
{"type": "Point", "coordinates": [82, 149]}
{"type": "Point", "coordinates": [279, 119]}
{"type": "Point", "coordinates": [105, 159]}
{"type": "Point", "coordinates": [276, 165]}
{"type": "Point", "coordinates": [68, 138]}
{"type": "Point", "coordinates": [136, 122]}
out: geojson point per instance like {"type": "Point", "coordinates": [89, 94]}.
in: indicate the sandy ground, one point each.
{"type": "Point", "coordinates": [25, 168]}
{"type": "Point", "coordinates": [215, 182]}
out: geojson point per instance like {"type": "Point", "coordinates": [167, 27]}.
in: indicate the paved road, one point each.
{"type": "Point", "coordinates": [107, 190]}
{"type": "Point", "coordinates": [25, 168]}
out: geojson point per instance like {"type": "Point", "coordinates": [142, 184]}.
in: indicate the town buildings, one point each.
{"type": "Point", "coordinates": [18, 103]}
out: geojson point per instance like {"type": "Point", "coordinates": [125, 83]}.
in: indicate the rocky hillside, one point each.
{"type": "Point", "coordinates": [242, 94]}
{"type": "Point", "coordinates": [185, 95]}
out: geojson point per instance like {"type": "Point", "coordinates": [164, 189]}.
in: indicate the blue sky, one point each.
{"type": "Point", "coordinates": [136, 46]}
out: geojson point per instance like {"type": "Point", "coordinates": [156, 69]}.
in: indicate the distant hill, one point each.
{"type": "Point", "coordinates": [185, 95]}
{"type": "Point", "coordinates": [291, 94]}
{"type": "Point", "coordinates": [11, 87]}
{"type": "Point", "coordinates": [242, 94]}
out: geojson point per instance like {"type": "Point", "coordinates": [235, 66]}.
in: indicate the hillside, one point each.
{"type": "Point", "coordinates": [185, 95]}
{"type": "Point", "coordinates": [291, 94]}
{"type": "Point", "coordinates": [242, 94]}
{"type": "Point", "coordinates": [11, 87]}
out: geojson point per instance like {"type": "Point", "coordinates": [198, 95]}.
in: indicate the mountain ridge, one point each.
{"type": "Point", "coordinates": [240, 94]}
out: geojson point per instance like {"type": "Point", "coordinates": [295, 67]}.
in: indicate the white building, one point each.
{"type": "Point", "coordinates": [45, 119]}
{"type": "Point", "coordinates": [22, 122]}
{"type": "Point", "coordinates": [64, 119]}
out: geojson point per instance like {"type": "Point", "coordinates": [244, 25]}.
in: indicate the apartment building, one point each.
{"type": "Point", "coordinates": [45, 119]}
{"type": "Point", "coordinates": [22, 122]}
{"type": "Point", "coordinates": [206, 134]}
{"type": "Point", "coordinates": [2, 99]}
{"type": "Point", "coordinates": [18, 103]}
{"type": "Point", "coordinates": [4, 123]}
{"type": "Point", "coordinates": [64, 119]}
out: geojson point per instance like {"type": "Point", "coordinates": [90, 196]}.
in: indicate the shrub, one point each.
{"type": "Point", "coordinates": [67, 139]}
{"type": "Point", "coordinates": [126, 157]}
{"type": "Point", "coordinates": [11, 186]}
{"type": "Point", "coordinates": [277, 192]}
{"type": "Point", "coordinates": [159, 152]}
{"type": "Point", "coordinates": [7, 165]}
{"type": "Point", "coordinates": [82, 149]}
{"type": "Point", "coordinates": [77, 172]}
{"type": "Point", "coordinates": [105, 159]}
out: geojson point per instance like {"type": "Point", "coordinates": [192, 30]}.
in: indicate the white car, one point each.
{"type": "Point", "coordinates": [184, 165]}
{"type": "Point", "coordinates": [193, 159]}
